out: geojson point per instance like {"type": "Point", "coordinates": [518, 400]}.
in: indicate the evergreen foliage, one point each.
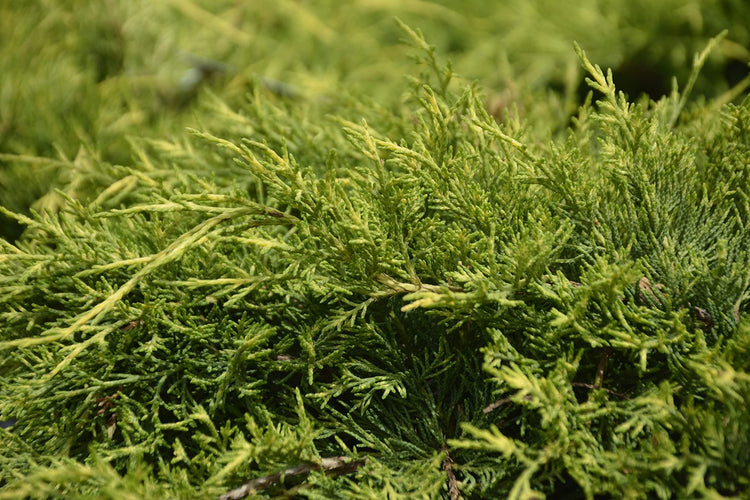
{"type": "Point", "coordinates": [459, 300]}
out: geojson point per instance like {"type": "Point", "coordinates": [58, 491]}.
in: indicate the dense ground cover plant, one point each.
{"type": "Point", "coordinates": [461, 298]}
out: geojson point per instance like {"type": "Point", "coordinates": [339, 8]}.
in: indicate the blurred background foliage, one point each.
{"type": "Point", "coordinates": [80, 79]}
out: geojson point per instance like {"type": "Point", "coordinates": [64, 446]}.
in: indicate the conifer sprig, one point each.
{"type": "Point", "coordinates": [460, 304]}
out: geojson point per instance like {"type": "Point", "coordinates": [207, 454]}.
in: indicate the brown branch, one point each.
{"type": "Point", "coordinates": [452, 482]}
{"type": "Point", "coordinates": [602, 367]}
{"type": "Point", "coordinates": [648, 292]}
{"type": "Point", "coordinates": [496, 404]}
{"type": "Point", "coordinates": [332, 465]}
{"type": "Point", "coordinates": [704, 318]}
{"type": "Point", "coordinates": [501, 402]}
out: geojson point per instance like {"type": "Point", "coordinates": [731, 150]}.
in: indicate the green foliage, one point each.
{"type": "Point", "coordinates": [491, 303]}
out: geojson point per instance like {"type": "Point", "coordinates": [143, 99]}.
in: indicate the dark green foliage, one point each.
{"type": "Point", "coordinates": [490, 303]}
